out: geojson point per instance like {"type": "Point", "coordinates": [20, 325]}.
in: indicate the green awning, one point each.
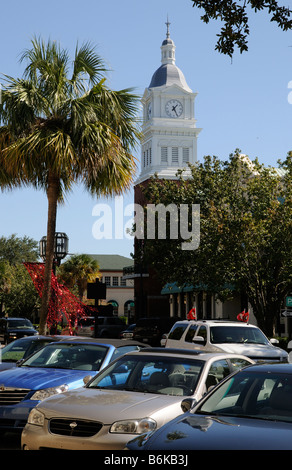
{"type": "Point", "coordinates": [173, 288]}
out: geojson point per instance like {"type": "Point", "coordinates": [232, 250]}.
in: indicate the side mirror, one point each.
{"type": "Point", "coordinates": [187, 404]}
{"type": "Point", "coordinates": [199, 340]}
{"type": "Point", "coordinates": [86, 379]}
{"type": "Point", "coordinates": [274, 341]}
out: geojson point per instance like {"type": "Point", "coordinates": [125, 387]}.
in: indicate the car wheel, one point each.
{"type": "Point", "coordinates": [104, 334]}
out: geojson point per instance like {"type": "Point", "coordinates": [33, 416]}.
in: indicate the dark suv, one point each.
{"type": "Point", "coordinates": [108, 327]}
{"type": "Point", "coordinates": [14, 328]}
{"type": "Point", "coordinates": [150, 330]}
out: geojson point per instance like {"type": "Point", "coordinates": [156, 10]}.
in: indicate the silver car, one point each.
{"type": "Point", "coordinates": [138, 392]}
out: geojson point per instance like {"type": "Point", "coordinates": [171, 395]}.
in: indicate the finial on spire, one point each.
{"type": "Point", "coordinates": [167, 25]}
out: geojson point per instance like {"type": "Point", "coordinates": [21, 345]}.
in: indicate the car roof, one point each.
{"type": "Point", "coordinates": [217, 322]}
{"type": "Point", "coordinates": [189, 353]}
{"type": "Point", "coordinates": [104, 341]}
{"type": "Point", "coordinates": [14, 318]}
{"type": "Point", "coordinates": [159, 319]}
{"type": "Point", "coordinates": [36, 337]}
{"type": "Point", "coordinates": [266, 367]}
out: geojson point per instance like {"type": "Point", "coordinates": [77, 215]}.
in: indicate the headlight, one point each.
{"type": "Point", "coordinates": [36, 417]}
{"type": "Point", "coordinates": [48, 392]}
{"type": "Point", "coordinates": [133, 426]}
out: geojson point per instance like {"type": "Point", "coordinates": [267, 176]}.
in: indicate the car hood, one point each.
{"type": "Point", "coordinates": [194, 432]}
{"type": "Point", "coordinates": [28, 331]}
{"type": "Point", "coordinates": [7, 365]}
{"type": "Point", "coordinates": [109, 406]}
{"type": "Point", "coordinates": [253, 350]}
{"type": "Point", "coordinates": [36, 378]}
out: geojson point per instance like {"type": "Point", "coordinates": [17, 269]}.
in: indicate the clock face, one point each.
{"type": "Point", "coordinates": [149, 110]}
{"type": "Point", "coordinates": [174, 108]}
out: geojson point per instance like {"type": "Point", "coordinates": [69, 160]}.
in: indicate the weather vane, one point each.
{"type": "Point", "coordinates": [167, 25]}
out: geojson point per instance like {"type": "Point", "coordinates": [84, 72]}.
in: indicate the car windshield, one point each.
{"type": "Point", "coordinates": [16, 350]}
{"type": "Point", "coordinates": [68, 356]}
{"type": "Point", "coordinates": [260, 395]}
{"type": "Point", "coordinates": [19, 324]}
{"type": "Point", "coordinates": [237, 334]}
{"type": "Point", "coordinates": [131, 327]}
{"type": "Point", "coordinates": [151, 374]}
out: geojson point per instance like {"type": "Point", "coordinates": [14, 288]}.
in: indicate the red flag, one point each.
{"type": "Point", "coordinates": [243, 316]}
{"type": "Point", "coordinates": [192, 315]}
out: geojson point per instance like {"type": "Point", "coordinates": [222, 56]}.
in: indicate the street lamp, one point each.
{"type": "Point", "coordinates": [61, 245]}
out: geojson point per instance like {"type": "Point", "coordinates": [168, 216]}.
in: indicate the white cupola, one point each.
{"type": "Point", "coordinates": [169, 141]}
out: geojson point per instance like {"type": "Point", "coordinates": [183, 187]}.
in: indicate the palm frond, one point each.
{"type": "Point", "coordinates": [87, 63]}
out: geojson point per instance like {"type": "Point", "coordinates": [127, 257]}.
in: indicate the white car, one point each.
{"type": "Point", "coordinates": [225, 336]}
{"type": "Point", "coordinates": [138, 392]}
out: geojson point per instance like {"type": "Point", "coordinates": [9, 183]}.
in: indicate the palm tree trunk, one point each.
{"type": "Point", "coordinates": [52, 195]}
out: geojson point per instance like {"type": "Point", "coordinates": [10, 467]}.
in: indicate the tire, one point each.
{"type": "Point", "coordinates": [104, 334]}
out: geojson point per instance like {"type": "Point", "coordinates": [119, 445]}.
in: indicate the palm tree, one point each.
{"type": "Point", "coordinates": [61, 125]}
{"type": "Point", "coordinates": [77, 271]}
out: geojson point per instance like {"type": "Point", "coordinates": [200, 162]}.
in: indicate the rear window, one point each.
{"type": "Point", "coordinates": [86, 321]}
{"type": "Point", "coordinates": [177, 330]}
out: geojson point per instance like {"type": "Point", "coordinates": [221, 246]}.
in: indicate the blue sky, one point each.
{"type": "Point", "coordinates": [241, 103]}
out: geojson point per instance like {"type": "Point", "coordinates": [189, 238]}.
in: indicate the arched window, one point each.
{"type": "Point", "coordinates": [115, 305]}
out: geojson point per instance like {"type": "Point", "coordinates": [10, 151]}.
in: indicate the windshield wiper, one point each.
{"type": "Point", "coordinates": [97, 387]}
{"type": "Point", "coordinates": [136, 389]}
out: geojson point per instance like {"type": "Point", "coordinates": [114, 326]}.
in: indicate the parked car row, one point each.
{"type": "Point", "coordinates": [88, 393]}
{"type": "Point", "coordinates": [146, 330]}
{"type": "Point", "coordinates": [209, 335]}
{"type": "Point", "coordinates": [139, 392]}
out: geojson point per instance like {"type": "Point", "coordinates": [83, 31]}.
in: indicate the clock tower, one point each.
{"type": "Point", "coordinates": [168, 144]}
{"type": "Point", "coordinates": [169, 129]}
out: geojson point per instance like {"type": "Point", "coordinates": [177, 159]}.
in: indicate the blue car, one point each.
{"type": "Point", "coordinates": [56, 368]}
